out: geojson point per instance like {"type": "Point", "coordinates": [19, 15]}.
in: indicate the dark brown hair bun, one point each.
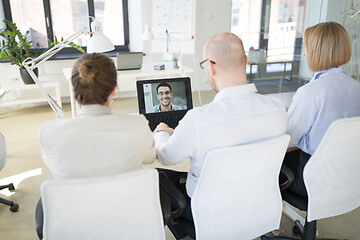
{"type": "Point", "coordinates": [86, 73]}
{"type": "Point", "coordinates": [94, 77]}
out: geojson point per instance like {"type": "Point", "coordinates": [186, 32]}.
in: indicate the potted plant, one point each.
{"type": "Point", "coordinates": [16, 47]}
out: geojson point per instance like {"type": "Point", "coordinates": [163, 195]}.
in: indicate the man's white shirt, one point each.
{"type": "Point", "coordinates": [237, 115]}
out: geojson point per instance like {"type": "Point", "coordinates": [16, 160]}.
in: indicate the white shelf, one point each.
{"type": "Point", "coordinates": [27, 94]}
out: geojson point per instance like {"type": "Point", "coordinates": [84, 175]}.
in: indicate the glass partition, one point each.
{"type": "Point", "coordinates": [272, 34]}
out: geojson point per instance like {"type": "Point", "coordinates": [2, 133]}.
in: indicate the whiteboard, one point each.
{"type": "Point", "coordinates": [176, 16]}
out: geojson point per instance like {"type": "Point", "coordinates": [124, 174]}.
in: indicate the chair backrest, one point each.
{"type": "Point", "coordinates": [124, 206]}
{"type": "Point", "coordinates": [2, 151]}
{"type": "Point", "coordinates": [237, 195]}
{"type": "Point", "coordinates": [332, 174]}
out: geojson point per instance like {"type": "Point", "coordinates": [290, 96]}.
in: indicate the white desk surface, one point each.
{"type": "Point", "coordinates": [272, 62]}
{"type": "Point", "coordinates": [147, 70]}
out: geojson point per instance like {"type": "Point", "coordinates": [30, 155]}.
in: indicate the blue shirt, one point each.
{"type": "Point", "coordinates": [330, 95]}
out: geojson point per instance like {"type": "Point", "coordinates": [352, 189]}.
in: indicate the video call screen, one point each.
{"type": "Point", "coordinates": [164, 95]}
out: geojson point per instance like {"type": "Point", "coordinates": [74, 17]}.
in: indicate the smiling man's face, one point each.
{"type": "Point", "coordinates": [164, 95]}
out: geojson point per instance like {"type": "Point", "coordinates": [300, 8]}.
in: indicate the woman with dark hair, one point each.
{"type": "Point", "coordinates": [96, 142]}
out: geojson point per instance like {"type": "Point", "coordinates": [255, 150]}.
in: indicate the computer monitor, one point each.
{"type": "Point", "coordinates": [162, 99]}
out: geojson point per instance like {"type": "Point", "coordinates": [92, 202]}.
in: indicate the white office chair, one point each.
{"type": "Point", "coordinates": [13, 206]}
{"type": "Point", "coordinates": [124, 206]}
{"type": "Point", "coordinates": [238, 195]}
{"type": "Point", "coordinates": [331, 176]}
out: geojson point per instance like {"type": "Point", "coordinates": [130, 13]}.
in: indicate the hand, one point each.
{"type": "Point", "coordinates": [292, 149]}
{"type": "Point", "coordinates": [164, 127]}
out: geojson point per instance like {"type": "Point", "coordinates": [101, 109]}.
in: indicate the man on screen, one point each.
{"type": "Point", "coordinates": [164, 95]}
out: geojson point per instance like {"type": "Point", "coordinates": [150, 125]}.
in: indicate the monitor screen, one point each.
{"type": "Point", "coordinates": [163, 95]}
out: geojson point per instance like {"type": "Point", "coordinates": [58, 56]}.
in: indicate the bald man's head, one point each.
{"type": "Point", "coordinates": [226, 50]}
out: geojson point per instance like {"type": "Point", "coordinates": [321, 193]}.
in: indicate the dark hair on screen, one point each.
{"type": "Point", "coordinates": [94, 77]}
{"type": "Point", "coordinates": [163, 84]}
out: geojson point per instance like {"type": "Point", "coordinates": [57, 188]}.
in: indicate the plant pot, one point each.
{"type": "Point", "coordinates": [26, 76]}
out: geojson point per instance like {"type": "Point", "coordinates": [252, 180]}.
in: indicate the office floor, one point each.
{"type": "Point", "coordinates": [20, 127]}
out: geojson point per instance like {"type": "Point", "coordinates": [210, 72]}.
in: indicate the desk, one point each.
{"type": "Point", "coordinates": [129, 85]}
{"type": "Point", "coordinates": [273, 62]}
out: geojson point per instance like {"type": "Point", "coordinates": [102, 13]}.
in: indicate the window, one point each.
{"type": "Point", "coordinates": [273, 25]}
{"type": "Point", "coordinates": [285, 25]}
{"type": "Point", "coordinates": [47, 19]}
{"type": "Point", "coordinates": [236, 7]}
{"type": "Point", "coordinates": [246, 15]}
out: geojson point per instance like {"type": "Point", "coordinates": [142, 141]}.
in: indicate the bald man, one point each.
{"type": "Point", "coordinates": [237, 115]}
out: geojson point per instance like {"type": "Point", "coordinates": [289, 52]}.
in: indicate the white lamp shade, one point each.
{"type": "Point", "coordinates": [98, 42]}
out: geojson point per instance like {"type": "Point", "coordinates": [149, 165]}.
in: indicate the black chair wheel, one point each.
{"type": "Point", "coordinates": [12, 188]}
{"type": "Point", "coordinates": [14, 207]}
{"type": "Point", "coordinates": [296, 230]}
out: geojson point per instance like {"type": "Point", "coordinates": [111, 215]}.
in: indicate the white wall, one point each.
{"type": "Point", "coordinates": [212, 17]}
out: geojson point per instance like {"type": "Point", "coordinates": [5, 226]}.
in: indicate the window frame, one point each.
{"type": "Point", "coordinates": [70, 53]}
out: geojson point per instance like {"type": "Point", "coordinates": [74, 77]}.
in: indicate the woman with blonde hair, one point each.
{"type": "Point", "coordinates": [331, 94]}
{"type": "Point", "coordinates": [96, 142]}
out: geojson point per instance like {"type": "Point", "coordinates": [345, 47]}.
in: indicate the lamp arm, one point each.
{"type": "Point", "coordinates": [55, 107]}
{"type": "Point", "coordinates": [52, 51]}
{"type": "Point", "coordinates": [30, 64]}
{"type": "Point", "coordinates": [355, 14]}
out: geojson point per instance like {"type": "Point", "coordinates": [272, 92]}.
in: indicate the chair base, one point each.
{"type": "Point", "coordinates": [292, 238]}
{"type": "Point", "coordinates": [13, 206]}
{"type": "Point", "coordinates": [308, 232]}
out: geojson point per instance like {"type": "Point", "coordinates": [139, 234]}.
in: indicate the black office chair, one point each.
{"type": "Point", "coordinates": [168, 190]}
{"type": "Point", "coordinates": [331, 176]}
{"type": "Point", "coordinates": [13, 206]}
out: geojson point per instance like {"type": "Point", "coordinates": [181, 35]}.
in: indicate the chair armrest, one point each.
{"type": "Point", "coordinates": [174, 193]}
{"type": "Point", "coordinates": [165, 206]}
{"type": "Point", "coordinates": [290, 177]}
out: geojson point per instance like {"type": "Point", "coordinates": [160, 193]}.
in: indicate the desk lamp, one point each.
{"type": "Point", "coordinates": [146, 38]}
{"type": "Point", "coordinates": [97, 43]}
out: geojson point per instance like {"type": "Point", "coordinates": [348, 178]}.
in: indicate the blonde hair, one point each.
{"type": "Point", "coordinates": [94, 77]}
{"type": "Point", "coordinates": [327, 45]}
